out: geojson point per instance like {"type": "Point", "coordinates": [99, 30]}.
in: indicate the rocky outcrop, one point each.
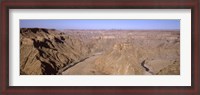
{"type": "Point", "coordinates": [153, 53]}
{"type": "Point", "coordinates": [121, 60]}
{"type": "Point", "coordinates": [44, 51]}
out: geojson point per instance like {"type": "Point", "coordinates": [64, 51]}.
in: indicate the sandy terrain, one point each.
{"type": "Point", "coordinates": [99, 52]}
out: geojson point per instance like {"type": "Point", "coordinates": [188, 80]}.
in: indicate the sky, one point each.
{"type": "Point", "coordinates": [102, 24]}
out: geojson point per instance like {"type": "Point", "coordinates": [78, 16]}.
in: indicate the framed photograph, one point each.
{"type": "Point", "coordinates": [100, 47]}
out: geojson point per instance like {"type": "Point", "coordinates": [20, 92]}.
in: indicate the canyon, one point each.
{"type": "Point", "coordinates": [99, 52]}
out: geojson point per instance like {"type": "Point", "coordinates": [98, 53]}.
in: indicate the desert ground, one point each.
{"type": "Point", "coordinates": [99, 52]}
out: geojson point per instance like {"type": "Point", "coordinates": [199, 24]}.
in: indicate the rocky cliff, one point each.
{"type": "Point", "coordinates": [99, 52]}
{"type": "Point", "coordinates": [45, 51]}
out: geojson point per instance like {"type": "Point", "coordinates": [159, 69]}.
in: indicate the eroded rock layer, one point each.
{"type": "Point", "coordinates": [99, 52]}
{"type": "Point", "coordinates": [44, 51]}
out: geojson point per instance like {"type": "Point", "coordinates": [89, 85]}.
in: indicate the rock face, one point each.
{"type": "Point", "coordinates": [148, 53]}
{"type": "Point", "coordinates": [99, 52]}
{"type": "Point", "coordinates": [44, 51]}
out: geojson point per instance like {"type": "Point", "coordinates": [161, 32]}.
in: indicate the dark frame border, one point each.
{"type": "Point", "coordinates": [89, 4]}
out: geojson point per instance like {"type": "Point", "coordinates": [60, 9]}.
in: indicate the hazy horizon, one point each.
{"type": "Point", "coordinates": [112, 29]}
{"type": "Point", "coordinates": [102, 24]}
